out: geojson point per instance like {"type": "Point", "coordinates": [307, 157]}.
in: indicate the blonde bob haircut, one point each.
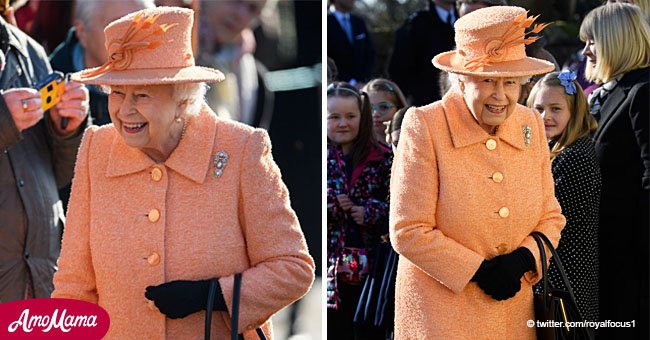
{"type": "Point", "coordinates": [581, 123]}
{"type": "Point", "coordinates": [621, 35]}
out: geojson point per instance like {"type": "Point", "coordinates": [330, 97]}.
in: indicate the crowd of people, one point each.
{"type": "Point", "coordinates": [497, 142]}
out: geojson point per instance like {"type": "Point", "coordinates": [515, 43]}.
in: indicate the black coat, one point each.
{"type": "Point", "coordinates": [422, 37]}
{"type": "Point", "coordinates": [622, 151]}
{"type": "Point", "coordinates": [352, 61]}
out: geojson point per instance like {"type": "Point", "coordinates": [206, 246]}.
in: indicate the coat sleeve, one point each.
{"type": "Point", "coordinates": [551, 222]}
{"type": "Point", "coordinates": [414, 231]}
{"type": "Point", "coordinates": [281, 269]}
{"type": "Point", "coordinates": [75, 278]}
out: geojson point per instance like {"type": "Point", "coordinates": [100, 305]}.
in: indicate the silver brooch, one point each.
{"type": "Point", "coordinates": [527, 131]}
{"type": "Point", "coordinates": [220, 161]}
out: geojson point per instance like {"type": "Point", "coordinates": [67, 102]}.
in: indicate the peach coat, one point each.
{"type": "Point", "coordinates": [459, 196]}
{"type": "Point", "coordinates": [134, 223]}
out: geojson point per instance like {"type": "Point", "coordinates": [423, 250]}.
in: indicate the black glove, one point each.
{"type": "Point", "coordinates": [501, 276]}
{"type": "Point", "coordinates": [178, 299]}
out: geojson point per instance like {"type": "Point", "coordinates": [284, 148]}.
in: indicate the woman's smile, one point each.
{"type": "Point", "coordinates": [133, 127]}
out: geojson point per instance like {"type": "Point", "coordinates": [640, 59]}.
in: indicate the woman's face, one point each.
{"type": "Point", "coordinates": [589, 51]}
{"type": "Point", "coordinates": [551, 103]}
{"type": "Point", "coordinates": [383, 108]}
{"type": "Point", "coordinates": [491, 100]}
{"type": "Point", "coordinates": [343, 119]}
{"type": "Point", "coordinates": [145, 116]}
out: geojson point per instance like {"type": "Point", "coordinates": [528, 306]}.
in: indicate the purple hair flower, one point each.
{"type": "Point", "coordinates": [566, 79]}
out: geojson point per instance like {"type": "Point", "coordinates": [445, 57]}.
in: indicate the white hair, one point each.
{"type": "Point", "coordinates": [193, 94]}
{"type": "Point", "coordinates": [86, 10]}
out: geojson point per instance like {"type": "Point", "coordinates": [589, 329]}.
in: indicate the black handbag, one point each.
{"type": "Point", "coordinates": [234, 320]}
{"type": "Point", "coordinates": [557, 306]}
{"type": "Point", "coordinates": [376, 303]}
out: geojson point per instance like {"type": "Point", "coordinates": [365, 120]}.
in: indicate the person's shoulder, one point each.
{"type": "Point", "coordinates": [25, 40]}
{"type": "Point", "coordinates": [580, 154]}
{"type": "Point", "coordinates": [102, 134]}
{"type": "Point", "coordinates": [61, 57]}
{"type": "Point", "coordinates": [236, 134]}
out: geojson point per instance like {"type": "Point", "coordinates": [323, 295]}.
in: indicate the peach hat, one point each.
{"type": "Point", "coordinates": [491, 42]}
{"type": "Point", "coordinates": [148, 47]}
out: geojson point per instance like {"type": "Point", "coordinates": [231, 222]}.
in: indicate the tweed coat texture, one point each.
{"type": "Point", "coordinates": [134, 223]}
{"type": "Point", "coordinates": [447, 215]}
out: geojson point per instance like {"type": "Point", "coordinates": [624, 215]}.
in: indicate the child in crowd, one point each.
{"type": "Point", "coordinates": [358, 174]}
{"type": "Point", "coordinates": [385, 99]}
{"type": "Point", "coordinates": [560, 100]}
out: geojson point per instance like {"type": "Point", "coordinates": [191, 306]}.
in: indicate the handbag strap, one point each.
{"type": "Point", "coordinates": [542, 255]}
{"type": "Point", "coordinates": [558, 263]}
{"type": "Point", "coordinates": [560, 268]}
{"type": "Point", "coordinates": [234, 320]}
{"type": "Point", "coordinates": [208, 309]}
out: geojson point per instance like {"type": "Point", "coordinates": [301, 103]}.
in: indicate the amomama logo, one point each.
{"type": "Point", "coordinates": [52, 319]}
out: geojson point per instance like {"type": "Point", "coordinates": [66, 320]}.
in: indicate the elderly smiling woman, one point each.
{"type": "Point", "coordinates": [170, 196]}
{"type": "Point", "coordinates": [470, 181]}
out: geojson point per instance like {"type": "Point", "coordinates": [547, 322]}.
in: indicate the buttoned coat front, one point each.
{"type": "Point", "coordinates": [459, 196]}
{"type": "Point", "coordinates": [134, 223]}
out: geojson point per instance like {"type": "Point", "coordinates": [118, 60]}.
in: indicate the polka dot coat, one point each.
{"type": "Point", "coordinates": [577, 188]}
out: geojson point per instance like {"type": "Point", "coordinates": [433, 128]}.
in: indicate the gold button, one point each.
{"type": "Point", "coordinates": [250, 327]}
{"type": "Point", "coordinates": [491, 144]}
{"type": "Point", "coordinates": [154, 215]}
{"type": "Point", "coordinates": [502, 248]}
{"type": "Point", "coordinates": [152, 305]}
{"type": "Point", "coordinates": [156, 174]}
{"type": "Point", "coordinates": [497, 177]}
{"type": "Point", "coordinates": [504, 212]}
{"type": "Point", "coordinates": [153, 259]}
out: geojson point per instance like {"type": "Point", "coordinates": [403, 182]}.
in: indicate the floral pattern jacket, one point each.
{"type": "Point", "coordinates": [367, 187]}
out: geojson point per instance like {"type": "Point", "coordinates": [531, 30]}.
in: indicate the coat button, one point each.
{"type": "Point", "coordinates": [497, 177]}
{"type": "Point", "coordinates": [250, 327]}
{"type": "Point", "coordinates": [153, 259]}
{"type": "Point", "coordinates": [154, 215]}
{"type": "Point", "coordinates": [152, 305]}
{"type": "Point", "coordinates": [156, 174]}
{"type": "Point", "coordinates": [502, 248]}
{"type": "Point", "coordinates": [504, 212]}
{"type": "Point", "coordinates": [491, 144]}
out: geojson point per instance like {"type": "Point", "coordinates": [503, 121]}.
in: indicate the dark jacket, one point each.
{"type": "Point", "coordinates": [33, 165]}
{"type": "Point", "coordinates": [61, 60]}
{"type": "Point", "coordinates": [353, 61]}
{"type": "Point", "coordinates": [420, 39]}
{"type": "Point", "coordinates": [623, 154]}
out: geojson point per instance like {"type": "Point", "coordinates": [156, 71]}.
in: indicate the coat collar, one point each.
{"type": "Point", "coordinates": [465, 130]}
{"type": "Point", "coordinates": [191, 158]}
{"type": "Point", "coordinates": [618, 95]}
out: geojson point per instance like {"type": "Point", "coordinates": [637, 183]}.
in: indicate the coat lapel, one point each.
{"type": "Point", "coordinates": [608, 109]}
{"type": "Point", "coordinates": [465, 130]}
{"type": "Point", "coordinates": [193, 155]}
{"type": "Point", "coordinates": [191, 158]}
{"type": "Point", "coordinates": [616, 97]}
